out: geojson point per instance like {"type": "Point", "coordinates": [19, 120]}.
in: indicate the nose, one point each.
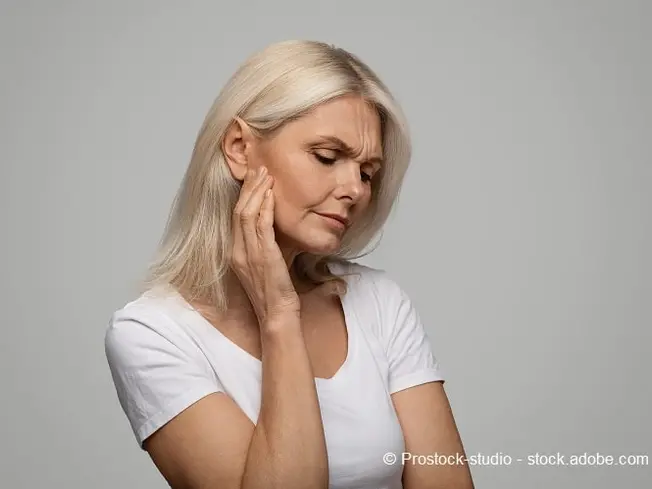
{"type": "Point", "coordinates": [349, 182]}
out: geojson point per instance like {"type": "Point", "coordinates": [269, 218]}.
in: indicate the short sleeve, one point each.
{"type": "Point", "coordinates": [157, 370]}
{"type": "Point", "coordinates": [408, 347]}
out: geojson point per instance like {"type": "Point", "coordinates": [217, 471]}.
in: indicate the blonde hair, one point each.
{"type": "Point", "coordinates": [273, 86]}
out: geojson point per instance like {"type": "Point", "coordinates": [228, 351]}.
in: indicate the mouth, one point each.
{"type": "Point", "coordinates": [335, 220]}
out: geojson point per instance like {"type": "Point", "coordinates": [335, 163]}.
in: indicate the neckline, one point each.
{"type": "Point", "coordinates": [257, 363]}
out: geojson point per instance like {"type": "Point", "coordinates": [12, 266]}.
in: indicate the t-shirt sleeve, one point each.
{"type": "Point", "coordinates": [157, 370]}
{"type": "Point", "coordinates": [408, 347]}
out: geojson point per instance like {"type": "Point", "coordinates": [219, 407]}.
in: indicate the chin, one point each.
{"type": "Point", "coordinates": [316, 241]}
{"type": "Point", "coordinates": [322, 242]}
{"type": "Point", "coordinates": [321, 248]}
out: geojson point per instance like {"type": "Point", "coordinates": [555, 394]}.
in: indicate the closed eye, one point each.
{"type": "Point", "coordinates": [329, 161]}
{"type": "Point", "coordinates": [324, 160]}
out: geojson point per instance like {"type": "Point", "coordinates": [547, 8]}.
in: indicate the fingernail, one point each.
{"type": "Point", "coordinates": [263, 170]}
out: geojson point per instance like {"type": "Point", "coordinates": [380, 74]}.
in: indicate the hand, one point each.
{"type": "Point", "coordinates": [256, 258]}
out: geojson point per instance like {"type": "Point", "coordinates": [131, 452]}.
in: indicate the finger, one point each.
{"type": "Point", "coordinates": [259, 178]}
{"type": "Point", "coordinates": [266, 222]}
{"type": "Point", "coordinates": [249, 220]}
{"type": "Point", "coordinates": [276, 271]}
{"type": "Point", "coordinates": [250, 180]}
{"type": "Point", "coordinates": [269, 246]}
{"type": "Point", "coordinates": [239, 250]}
{"type": "Point", "coordinates": [238, 238]}
{"type": "Point", "coordinates": [273, 258]}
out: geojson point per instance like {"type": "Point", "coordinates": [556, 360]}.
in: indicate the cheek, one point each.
{"type": "Point", "coordinates": [362, 205]}
{"type": "Point", "coordinates": [290, 198]}
{"type": "Point", "coordinates": [293, 199]}
{"type": "Point", "coordinates": [297, 180]}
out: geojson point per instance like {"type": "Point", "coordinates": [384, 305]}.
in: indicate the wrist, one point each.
{"type": "Point", "coordinates": [280, 324]}
{"type": "Point", "coordinates": [282, 335]}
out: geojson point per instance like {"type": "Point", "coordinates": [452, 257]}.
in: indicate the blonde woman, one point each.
{"type": "Point", "coordinates": [259, 354]}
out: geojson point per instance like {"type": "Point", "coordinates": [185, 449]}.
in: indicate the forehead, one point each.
{"type": "Point", "coordinates": [350, 118]}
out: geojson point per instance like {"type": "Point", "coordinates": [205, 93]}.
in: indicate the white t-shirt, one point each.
{"type": "Point", "coordinates": [164, 356]}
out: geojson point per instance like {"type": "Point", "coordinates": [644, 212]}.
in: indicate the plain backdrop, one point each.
{"type": "Point", "coordinates": [523, 233]}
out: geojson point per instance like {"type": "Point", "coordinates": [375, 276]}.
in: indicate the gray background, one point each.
{"type": "Point", "coordinates": [523, 233]}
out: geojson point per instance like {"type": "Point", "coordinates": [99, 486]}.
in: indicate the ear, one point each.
{"type": "Point", "coordinates": [237, 146]}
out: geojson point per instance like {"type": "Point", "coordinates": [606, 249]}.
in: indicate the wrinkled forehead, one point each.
{"type": "Point", "coordinates": [353, 121]}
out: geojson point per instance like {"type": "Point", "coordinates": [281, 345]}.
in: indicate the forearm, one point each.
{"type": "Point", "coordinates": [288, 448]}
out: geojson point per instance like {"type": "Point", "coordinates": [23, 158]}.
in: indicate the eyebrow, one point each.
{"type": "Point", "coordinates": [348, 150]}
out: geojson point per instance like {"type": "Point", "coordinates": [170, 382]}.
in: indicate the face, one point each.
{"type": "Point", "coordinates": [322, 163]}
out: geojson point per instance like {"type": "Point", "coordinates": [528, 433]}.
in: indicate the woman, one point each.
{"type": "Point", "coordinates": [259, 355]}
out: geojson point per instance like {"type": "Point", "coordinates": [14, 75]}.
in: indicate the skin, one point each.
{"type": "Point", "coordinates": [303, 185]}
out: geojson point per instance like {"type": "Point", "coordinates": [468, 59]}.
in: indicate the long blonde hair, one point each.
{"type": "Point", "coordinates": [273, 86]}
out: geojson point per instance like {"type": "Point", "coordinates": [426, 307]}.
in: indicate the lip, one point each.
{"type": "Point", "coordinates": [334, 219]}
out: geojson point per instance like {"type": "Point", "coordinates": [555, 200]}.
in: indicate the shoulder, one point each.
{"type": "Point", "coordinates": [157, 367]}
{"type": "Point", "coordinates": [392, 316]}
{"type": "Point", "coordinates": [147, 311]}
{"type": "Point", "coordinates": [358, 272]}
{"type": "Point", "coordinates": [370, 280]}
{"type": "Point", "coordinates": [375, 296]}
{"type": "Point", "coordinates": [149, 325]}
{"type": "Point", "coordinates": [156, 301]}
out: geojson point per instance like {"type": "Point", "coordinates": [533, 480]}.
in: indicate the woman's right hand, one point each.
{"type": "Point", "coordinates": [256, 258]}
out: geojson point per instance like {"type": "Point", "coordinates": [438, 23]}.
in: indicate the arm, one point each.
{"type": "Point", "coordinates": [288, 448]}
{"type": "Point", "coordinates": [212, 444]}
{"type": "Point", "coordinates": [428, 425]}
{"type": "Point", "coordinates": [416, 386]}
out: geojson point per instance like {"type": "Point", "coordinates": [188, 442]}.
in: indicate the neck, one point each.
{"type": "Point", "coordinates": [239, 302]}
